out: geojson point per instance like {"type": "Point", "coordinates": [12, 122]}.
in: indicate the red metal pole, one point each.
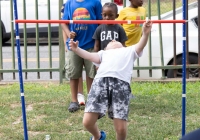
{"type": "Point", "coordinates": [98, 21]}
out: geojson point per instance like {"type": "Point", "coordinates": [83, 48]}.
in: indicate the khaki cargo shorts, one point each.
{"type": "Point", "coordinates": [74, 66]}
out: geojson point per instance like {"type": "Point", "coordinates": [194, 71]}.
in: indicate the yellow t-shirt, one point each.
{"type": "Point", "coordinates": [133, 31]}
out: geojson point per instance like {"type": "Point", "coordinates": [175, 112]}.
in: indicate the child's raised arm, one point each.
{"type": "Point", "coordinates": [143, 40]}
{"type": "Point", "coordinates": [93, 57]}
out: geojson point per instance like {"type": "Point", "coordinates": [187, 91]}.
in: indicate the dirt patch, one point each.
{"type": "Point", "coordinates": [15, 105]}
{"type": "Point", "coordinates": [19, 119]}
{"type": "Point", "coordinates": [33, 133]}
{"type": "Point", "coordinates": [29, 108]}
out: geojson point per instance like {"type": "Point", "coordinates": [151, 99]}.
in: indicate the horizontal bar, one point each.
{"type": "Point", "coordinates": [135, 68]}
{"type": "Point", "coordinates": [98, 21]}
{"type": "Point", "coordinates": [165, 67]}
{"type": "Point", "coordinates": [29, 70]}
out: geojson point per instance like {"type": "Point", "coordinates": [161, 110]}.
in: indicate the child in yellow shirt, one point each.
{"type": "Point", "coordinates": [133, 12]}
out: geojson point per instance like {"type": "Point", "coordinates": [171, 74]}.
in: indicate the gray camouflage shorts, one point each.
{"type": "Point", "coordinates": [110, 94]}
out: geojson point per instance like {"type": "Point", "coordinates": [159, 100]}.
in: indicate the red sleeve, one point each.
{"type": "Point", "coordinates": [118, 2]}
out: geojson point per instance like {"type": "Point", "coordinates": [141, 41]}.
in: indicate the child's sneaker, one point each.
{"type": "Point", "coordinates": [81, 99]}
{"type": "Point", "coordinates": [73, 107]}
{"type": "Point", "coordinates": [103, 136]}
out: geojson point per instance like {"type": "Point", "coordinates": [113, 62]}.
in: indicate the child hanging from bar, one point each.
{"type": "Point", "coordinates": [110, 89]}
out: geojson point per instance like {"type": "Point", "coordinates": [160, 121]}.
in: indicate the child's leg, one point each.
{"type": "Point", "coordinates": [120, 128]}
{"type": "Point", "coordinates": [96, 106]}
{"type": "Point", "coordinates": [80, 95]}
{"type": "Point", "coordinates": [89, 122]}
{"type": "Point", "coordinates": [80, 85]}
{"type": "Point", "coordinates": [74, 67]}
{"type": "Point", "coordinates": [118, 105]}
{"type": "Point", "coordinates": [74, 89]}
{"type": "Point", "coordinates": [88, 83]}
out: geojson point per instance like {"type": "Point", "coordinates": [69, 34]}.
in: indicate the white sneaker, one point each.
{"type": "Point", "coordinates": [81, 99]}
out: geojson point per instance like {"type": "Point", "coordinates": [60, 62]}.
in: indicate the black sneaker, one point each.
{"type": "Point", "coordinates": [74, 106]}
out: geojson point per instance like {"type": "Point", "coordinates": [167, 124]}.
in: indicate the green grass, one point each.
{"type": "Point", "coordinates": [165, 6]}
{"type": "Point", "coordinates": [155, 113]}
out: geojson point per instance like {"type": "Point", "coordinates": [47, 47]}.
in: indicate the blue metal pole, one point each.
{"type": "Point", "coordinates": [20, 72]}
{"type": "Point", "coordinates": [184, 71]}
